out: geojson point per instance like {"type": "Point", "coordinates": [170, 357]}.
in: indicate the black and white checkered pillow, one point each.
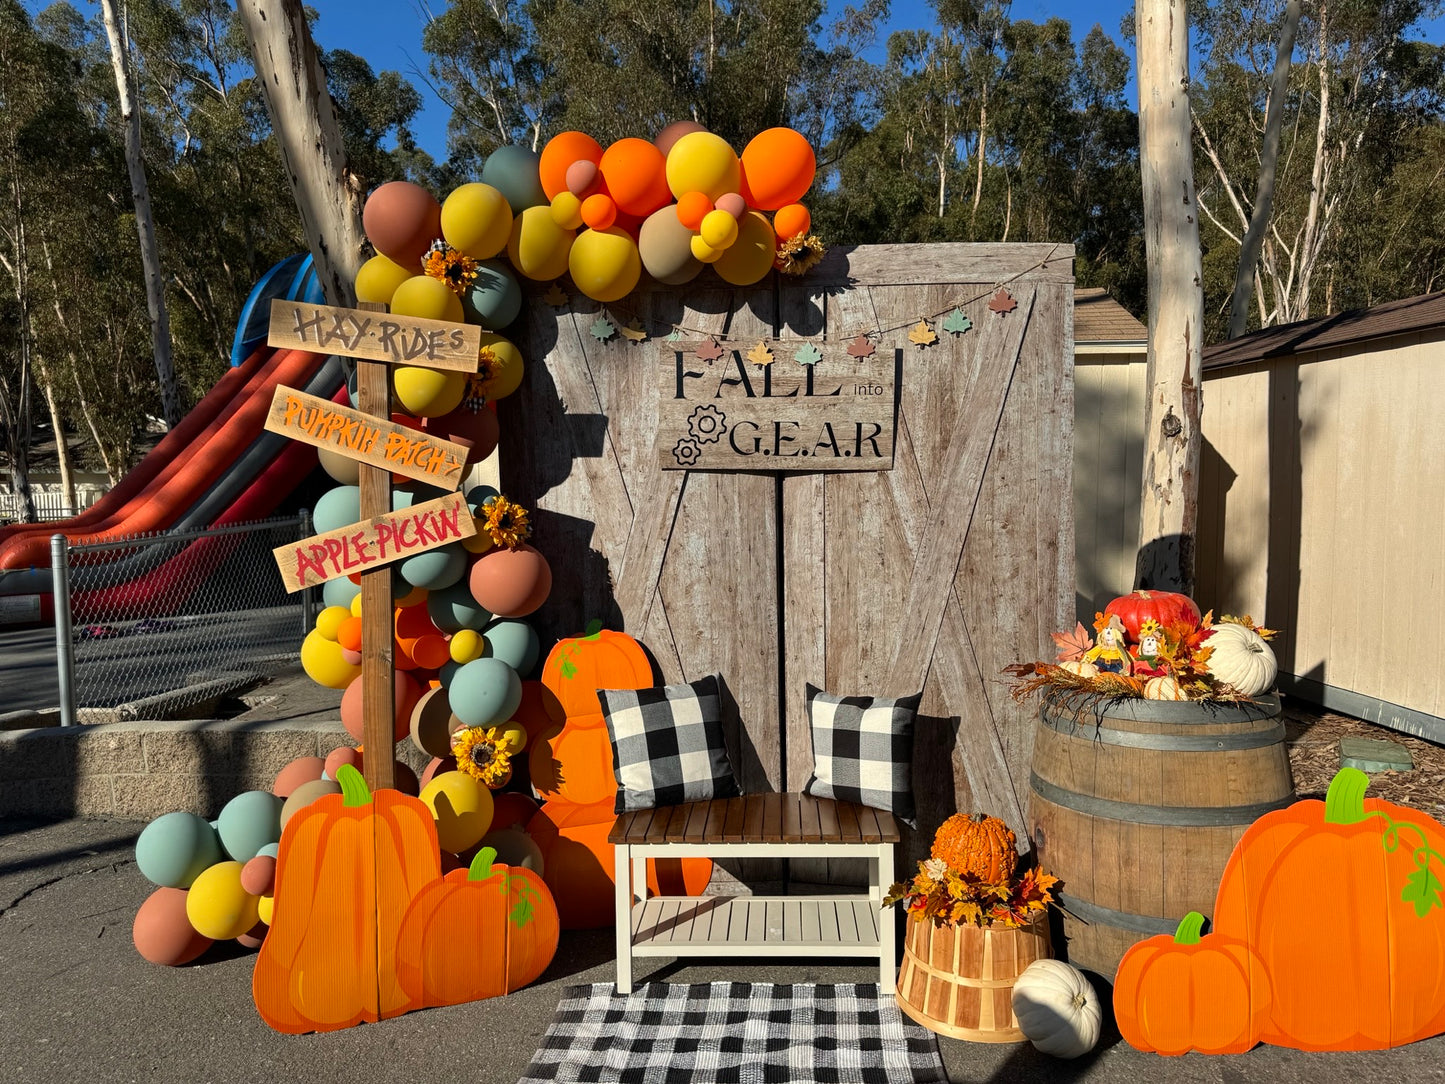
{"type": "Point", "coordinates": [667, 745]}
{"type": "Point", "coordinates": [863, 750]}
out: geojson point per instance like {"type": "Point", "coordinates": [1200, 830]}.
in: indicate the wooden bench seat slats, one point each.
{"type": "Point", "coordinates": [812, 831]}
{"type": "Point", "coordinates": [828, 820]}
{"type": "Point", "coordinates": [868, 826]}
{"type": "Point", "coordinates": [792, 818]}
{"type": "Point", "coordinates": [848, 823]}
{"type": "Point", "coordinates": [768, 818]}
{"type": "Point", "coordinates": [716, 816]}
{"type": "Point", "coordinates": [696, 824]}
{"type": "Point", "coordinates": [772, 818]}
{"type": "Point", "coordinates": [736, 814]}
{"type": "Point", "coordinates": [753, 816]}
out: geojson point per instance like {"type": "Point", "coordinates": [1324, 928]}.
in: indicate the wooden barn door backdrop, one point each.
{"type": "Point", "coordinates": [935, 574]}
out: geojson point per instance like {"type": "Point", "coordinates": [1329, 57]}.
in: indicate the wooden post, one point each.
{"type": "Point", "coordinates": [373, 396]}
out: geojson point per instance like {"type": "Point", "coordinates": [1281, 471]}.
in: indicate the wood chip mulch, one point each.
{"type": "Point", "coordinates": [1313, 735]}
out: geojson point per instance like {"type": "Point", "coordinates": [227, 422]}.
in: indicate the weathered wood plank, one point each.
{"type": "Point", "coordinates": [375, 335]}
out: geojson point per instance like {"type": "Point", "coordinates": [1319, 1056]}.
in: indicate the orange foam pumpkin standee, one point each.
{"type": "Point", "coordinates": [1342, 901]}
{"type": "Point", "coordinates": [1187, 992]}
{"type": "Point", "coordinates": [481, 932]}
{"type": "Point", "coordinates": [580, 665]}
{"type": "Point", "coordinates": [348, 868]}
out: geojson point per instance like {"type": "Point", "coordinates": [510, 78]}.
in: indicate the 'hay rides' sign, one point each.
{"type": "Point", "coordinates": [375, 336]}
{"type": "Point", "coordinates": [374, 542]}
{"type": "Point", "coordinates": [366, 438]}
{"type": "Point", "coordinates": [830, 412]}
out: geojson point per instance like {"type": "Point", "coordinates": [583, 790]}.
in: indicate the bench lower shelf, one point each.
{"type": "Point", "coordinates": [755, 926]}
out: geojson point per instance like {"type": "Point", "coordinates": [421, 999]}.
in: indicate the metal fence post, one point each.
{"type": "Point", "coordinates": [308, 594]}
{"type": "Point", "coordinates": [64, 644]}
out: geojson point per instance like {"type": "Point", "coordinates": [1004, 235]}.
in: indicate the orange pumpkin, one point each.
{"type": "Point", "coordinates": [980, 845]}
{"type": "Point", "coordinates": [347, 870]}
{"type": "Point", "coordinates": [1341, 901]}
{"type": "Point", "coordinates": [580, 665]}
{"type": "Point", "coordinates": [1186, 992]}
{"type": "Point", "coordinates": [481, 932]}
{"type": "Point", "coordinates": [573, 764]}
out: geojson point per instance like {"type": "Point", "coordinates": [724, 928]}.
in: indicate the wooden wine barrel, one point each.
{"type": "Point", "coordinates": [1137, 805]}
{"type": "Point", "coordinates": [959, 980]}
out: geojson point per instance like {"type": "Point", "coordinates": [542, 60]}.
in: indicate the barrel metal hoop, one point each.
{"type": "Point", "coordinates": [1135, 813]}
{"type": "Point", "coordinates": [1178, 743]}
{"type": "Point", "coordinates": [1093, 914]}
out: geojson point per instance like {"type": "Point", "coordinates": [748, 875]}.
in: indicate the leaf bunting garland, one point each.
{"type": "Point", "coordinates": [861, 347]}
{"type": "Point", "coordinates": [808, 354]}
{"type": "Point", "coordinates": [708, 351]}
{"type": "Point", "coordinates": [602, 329]}
{"type": "Point", "coordinates": [1002, 302]}
{"type": "Point", "coordinates": [760, 354]}
{"type": "Point", "coordinates": [555, 296]}
{"type": "Point", "coordinates": [957, 323]}
{"type": "Point", "coordinates": [922, 335]}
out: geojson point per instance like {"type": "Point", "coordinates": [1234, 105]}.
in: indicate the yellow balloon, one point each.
{"type": "Point", "coordinates": [477, 219]}
{"type": "Point", "coordinates": [266, 909]}
{"type": "Point", "coordinates": [505, 368]}
{"type": "Point", "coordinates": [567, 211]}
{"type": "Point", "coordinates": [466, 645]}
{"type": "Point", "coordinates": [462, 807]}
{"type": "Point", "coordinates": [322, 661]}
{"type": "Point", "coordinates": [719, 229]}
{"type": "Point", "coordinates": [480, 542]}
{"type": "Point", "coordinates": [605, 264]}
{"type": "Point", "coordinates": [703, 251]}
{"type": "Point", "coordinates": [356, 606]}
{"type": "Point", "coordinates": [328, 621]}
{"type": "Point", "coordinates": [538, 246]}
{"type": "Point", "coordinates": [428, 299]}
{"type": "Point", "coordinates": [428, 393]}
{"type": "Point", "coordinates": [378, 279]}
{"type": "Point", "coordinates": [703, 162]}
{"type": "Point", "coordinates": [751, 256]}
{"type": "Point", "coordinates": [515, 737]}
{"type": "Point", "coordinates": [216, 904]}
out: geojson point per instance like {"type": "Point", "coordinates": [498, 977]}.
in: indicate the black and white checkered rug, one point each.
{"type": "Point", "coordinates": [734, 1033]}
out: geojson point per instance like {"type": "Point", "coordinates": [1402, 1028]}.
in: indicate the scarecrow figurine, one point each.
{"type": "Point", "coordinates": [1111, 653]}
{"type": "Point", "coordinates": [1151, 660]}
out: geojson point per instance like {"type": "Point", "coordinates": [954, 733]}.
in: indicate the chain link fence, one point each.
{"type": "Point", "coordinates": [150, 625]}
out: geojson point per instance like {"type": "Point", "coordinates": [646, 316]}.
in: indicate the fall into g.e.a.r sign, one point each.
{"type": "Point", "coordinates": [812, 407]}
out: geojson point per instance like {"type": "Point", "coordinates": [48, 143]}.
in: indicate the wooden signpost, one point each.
{"type": "Point", "coordinates": [811, 407]}
{"type": "Point", "coordinates": [376, 338]}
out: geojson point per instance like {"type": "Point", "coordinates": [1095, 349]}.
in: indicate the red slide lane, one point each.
{"type": "Point", "coordinates": [175, 444]}
{"type": "Point", "coordinates": [181, 482]}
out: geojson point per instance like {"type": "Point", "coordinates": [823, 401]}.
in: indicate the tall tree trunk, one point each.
{"type": "Point", "coordinates": [15, 408]}
{"type": "Point", "coordinates": [150, 253]}
{"type": "Point", "coordinates": [982, 145]}
{"type": "Point", "coordinates": [1268, 159]}
{"type": "Point", "coordinates": [1169, 508]}
{"type": "Point", "coordinates": [62, 447]}
{"type": "Point", "coordinates": [327, 193]}
{"type": "Point", "coordinates": [1310, 242]}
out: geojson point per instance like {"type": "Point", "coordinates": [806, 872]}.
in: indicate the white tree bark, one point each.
{"type": "Point", "coordinates": [1169, 509]}
{"type": "Point", "coordinates": [150, 253]}
{"type": "Point", "coordinates": [327, 193]}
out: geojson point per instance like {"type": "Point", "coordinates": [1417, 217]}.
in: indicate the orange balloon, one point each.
{"type": "Point", "coordinates": [791, 221]}
{"type": "Point", "coordinates": [779, 166]}
{"type": "Point", "coordinates": [349, 634]}
{"type": "Point", "coordinates": [636, 175]}
{"type": "Point", "coordinates": [431, 651]}
{"type": "Point", "coordinates": [599, 212]}
{"type": "Point", "coordinates": [560, 152]}
{"type": "Point", "coordinates": [692, 208]}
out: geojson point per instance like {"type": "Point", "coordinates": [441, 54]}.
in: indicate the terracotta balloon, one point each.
{"type": "Point", "coordinates": [561, 151]}
{"type": "Point", "coordinates": [748, 259]}
{"type": "Point", "coordinates": [636, 175]}
{"type": "Point", "coordinates": [511, 583]}
{"type": "Point", "coordinates": [253, 937]}
{"type": "Point", "coordinates": [438, 766]}
{"type": "Point", "coordinates": [401, 220]}
{"type": "Point", "coordinates": [405, 692]}
{"type": "Point", "coordinates": [665, 139]}
{"type": "Point", "coordinates": [779, 164]}
{"type": "Point", "coordinates": [162, 933]}
{"type": "Point", "coordinates": [301, 770]}
{"type": "Point", "coordinates": [582, 177]}
{"type": "Point", "coordinates": [344, 754]}
{"type": "Point", "coordinates": [258, 876]}
{"type": "Point", "coordinates": [471, 424]}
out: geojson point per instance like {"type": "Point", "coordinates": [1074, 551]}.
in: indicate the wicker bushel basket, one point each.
{"type": "Point", "coordinates": [958, 980]}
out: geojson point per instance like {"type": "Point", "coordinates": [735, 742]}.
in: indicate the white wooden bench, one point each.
{"type": "Point", "coordinates": [755, 826]}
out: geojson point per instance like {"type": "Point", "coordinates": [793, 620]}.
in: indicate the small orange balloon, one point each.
{"type": "Point", "coordinates": [349, 634]}
{"type": "Point", "coordinates": [636, 176]}
{"type": "Point", "coordinates": [692, 208]}
{"type": "Point", "coordinates": [599, 211]}
{"type": "Point", "coordinates": [791, 221]}
{"type": "Point", "coordinates": [561, 151]}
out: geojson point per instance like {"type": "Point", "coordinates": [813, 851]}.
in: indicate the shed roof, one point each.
{"type": "Point", "coordinates": [1343, 328]}
{"type": "Point", "coordinates": [1099, 318]}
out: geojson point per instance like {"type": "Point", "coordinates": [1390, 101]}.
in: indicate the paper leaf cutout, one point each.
{"type": "Point", "coordinates": [1072, 645]}
{"type": "Point", "coordinates": [922, 335]}
{"type": "Point", "coordinates": [861, 347]}
{"type": "Point", "coordinates": [602, 329]}
{"type": "Point", "coordinates": [760, 354]}
{"type": "Point", "coordinates": [674, 335]}
{"type": "Point", "coordinates": [555, 296]}
{"type": "Point", "coordinates": [1002, 302]}
{"type": "Point", "coordinates": [708, 351]}
{"type": "Point", "coordinates": [957, 323]}
{"type": "Point", "coordinates": [808, 354]}
{"type": "Point", "coordinates": [634, 332]}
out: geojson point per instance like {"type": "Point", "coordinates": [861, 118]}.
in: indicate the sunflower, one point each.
{"type": "Point", "coordinates": [506, 522]}
{"type": "Point", "coordinates": [451, 266]}
{"type": "Point", "coordinates": [483, 753]}
{"type": "Point", "coordinates": [798, 254]}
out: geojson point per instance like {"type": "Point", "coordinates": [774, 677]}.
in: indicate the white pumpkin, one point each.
{"type": "Point", "coordinates": [1079, 667]}
{"type": "Point", "coordinates": [1163, 688]}
{"type": "Point", "coordinates": [1057, 1009]}
{"type": "Point", "coordinates": [1241, 658]}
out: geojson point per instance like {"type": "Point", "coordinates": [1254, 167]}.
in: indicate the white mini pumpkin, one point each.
{"type": "Point", "coordinates": [1057, 1009]}
{"type": "Point", "coordinates": [1163, 688]}
{"type": "Point", "coordinates": [1241, 658]}
{"type": "Point", "coordinates": [1079, 667]}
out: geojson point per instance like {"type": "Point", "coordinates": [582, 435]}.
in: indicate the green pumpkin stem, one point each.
{"type": "Point", "coordinates": [1345, 800]}
{"type": "Point", "coordinates": [594, 629]}
{"type": "Point", "coordinates": [1190, 927]}
{"type": "Point", "coordinates": [354, 791]}
{"type": "Point", "coordinates": [481, 867]}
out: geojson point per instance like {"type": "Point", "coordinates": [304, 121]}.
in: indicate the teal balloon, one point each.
{"type": "Point", "coordinates": [515, 173]}
{"type": "Point", "coordinates": [271, 850]}
{"type": "Point", "coordinates": [435, 569]}
{"type": "Point", "coordinates": [175, 849]}
{"type": "Point", "coordinates": [339, 592]}
{"type": "Point", "coordinates": [337, 508]}
{"type": "Point", "coordinates": [479, 495]}
{"type": "Point", "coordinates": [248, 822]}
{"type": "Point", "coordinates": [447, 672]}
{"type": "Point", "coordinates": [514, 642]}
{"type": "Point", "coordinates": [485, 692]}
{"type": "Point", "coordinates": [495, 299]}
{"type": "Point", "coordinates": [453, 608]}
{"type": "Point", "coordinates": [403, 497]}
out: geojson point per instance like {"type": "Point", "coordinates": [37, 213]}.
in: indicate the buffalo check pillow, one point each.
{"type": "Point", "coordinates": [667, 744]}
{"type": "Point", "coordinates": [863, 750]}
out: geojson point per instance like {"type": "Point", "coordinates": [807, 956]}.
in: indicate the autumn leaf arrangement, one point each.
{"type": "Point", "coordinates": [974, 877]}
